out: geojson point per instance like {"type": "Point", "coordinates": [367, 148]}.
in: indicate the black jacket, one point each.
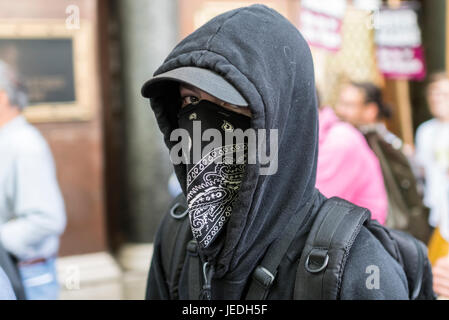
{"type": "Point", "coordinates": [267, 60]}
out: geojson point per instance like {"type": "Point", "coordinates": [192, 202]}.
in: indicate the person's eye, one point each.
{"type": "Point", "coordinates": [189, 100]}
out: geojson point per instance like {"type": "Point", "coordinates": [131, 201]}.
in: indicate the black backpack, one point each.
{"type": "Point", "coordinates": [322, 262]}
{"type": "Point", "coordinates": [406, 210]}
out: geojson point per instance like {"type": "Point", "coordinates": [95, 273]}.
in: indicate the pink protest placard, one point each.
{"type": "Point", "coordinates": [320, 30]}
{"type": "Point", "coordinates": [400, 54]}
{"type": "Point", "coordinates": [320, 23]}
{"type": "Point", "coordinates": [401, 63]}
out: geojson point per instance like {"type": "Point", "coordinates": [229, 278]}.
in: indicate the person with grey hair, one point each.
{"type": "Point", "coordinates": [32, 211]}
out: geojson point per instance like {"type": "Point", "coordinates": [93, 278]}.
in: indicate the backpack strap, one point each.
{"type": "Point", "coordinates": [194, 270]}
{"type": "Point", "coordinates": [178, 245]}
{"type": "Point", "coordinates": [175, 236]}
{"type": "Point", "coordinates": [413, 255]}
{"type": "Point", "coordinates": [323, 259]}
{"type": "Point", "coordinates": [265, 273]}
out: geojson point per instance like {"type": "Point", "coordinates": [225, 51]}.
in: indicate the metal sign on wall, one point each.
{"type": "Point", "coordinates": [54, 62]}
{"type": "Point", "coordinates": [46, 65]}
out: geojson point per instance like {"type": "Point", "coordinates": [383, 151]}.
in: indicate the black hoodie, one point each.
{"type": "Point", "coordinates": [267, 60]}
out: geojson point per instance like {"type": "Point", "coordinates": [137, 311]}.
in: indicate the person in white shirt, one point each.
{"type": "Point", "coordinates": [6, 292]}
{"type": "Point", "coordinates": [32, 211]}
{"type": "Point", "coordinates": [432, 153]}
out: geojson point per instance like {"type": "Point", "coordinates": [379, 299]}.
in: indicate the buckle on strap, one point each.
{"type": "Point", "coordinates": [317, 258]}
{"type": "Point", "coordinates": [263, 277]}
{"type": "Point", "coordinates": [192, 248]}
{"type": "Point", "coordinates": [175, 214]}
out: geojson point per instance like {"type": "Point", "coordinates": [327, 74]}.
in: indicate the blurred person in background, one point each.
{"type": "Point", "coordinates": [347, 167]}
{"type": "Point", "coordinates": [432, 153]}
{"type": "Point", "coordinates": [32, 212]}
{"type": "Point", "coordinates": [362, 105]}
{"type": "Point", "coordinates": [8, 265]}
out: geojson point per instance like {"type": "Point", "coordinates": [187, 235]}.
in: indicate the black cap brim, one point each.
{"type": "Point", "coordinates": [203, 79]}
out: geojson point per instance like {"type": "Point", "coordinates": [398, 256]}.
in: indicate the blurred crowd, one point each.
{"type": "Point", "coordinates": [405, 187]}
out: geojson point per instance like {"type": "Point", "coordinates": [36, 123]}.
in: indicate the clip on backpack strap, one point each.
{"type": "Point", "coordinates": [322, 261]}
{"type": "Point", "coordinates": [265, 273]}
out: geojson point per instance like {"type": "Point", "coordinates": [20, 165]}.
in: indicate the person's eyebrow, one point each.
{"type": "Point", "coordinates": [187, 89]}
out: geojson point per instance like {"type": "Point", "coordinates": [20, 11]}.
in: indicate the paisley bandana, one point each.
{"type": "Point", "coordinates": [213, 182]}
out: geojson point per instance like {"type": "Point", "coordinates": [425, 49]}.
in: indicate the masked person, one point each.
{"type": "Point", "coordinates": [245, 225]}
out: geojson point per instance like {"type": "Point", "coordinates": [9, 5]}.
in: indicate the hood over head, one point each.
{"type": "Point", "coordinates": [267, 60]}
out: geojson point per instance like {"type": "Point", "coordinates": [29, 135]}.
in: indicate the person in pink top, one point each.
{"type": "Point", "coordinates": [348, 168]}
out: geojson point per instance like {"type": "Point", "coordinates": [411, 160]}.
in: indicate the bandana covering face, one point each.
{"type": "Point", "coordinates": [213, 181]}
